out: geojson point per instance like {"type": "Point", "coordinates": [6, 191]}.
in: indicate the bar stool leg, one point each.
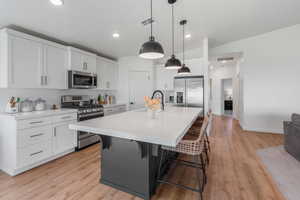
{"type": "Point", "coordinates": [201, 187]}
{"type": "Point", "coordinates": [206, 152]}
{"type": "Point", "coordinates": [207, 141]}
{"type": "Point", "coordinates": [203, 170]}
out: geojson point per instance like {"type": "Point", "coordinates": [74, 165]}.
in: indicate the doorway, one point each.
{"type": "Point", "coordinates": [140, 85]}
{"type": "Point", "coordinates": [227, 97]}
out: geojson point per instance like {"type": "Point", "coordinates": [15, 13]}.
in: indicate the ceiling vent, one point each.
{"type": "Point", "coordinates": [226, 59]}
{"type": "Point", "coordinates": [147, 22]}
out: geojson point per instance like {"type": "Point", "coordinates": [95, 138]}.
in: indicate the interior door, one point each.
{"type": "Point", "coordinates": [55, 62]}
{"type": "Point", "coordinates": [25, 63]}
{"type": "Point", "coordinates": [140, 85]}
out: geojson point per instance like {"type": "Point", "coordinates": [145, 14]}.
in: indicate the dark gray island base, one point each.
{"type": "Point", "coordinates": [131, 145]}
{"type": "Point", "coordinates": [130, 166]}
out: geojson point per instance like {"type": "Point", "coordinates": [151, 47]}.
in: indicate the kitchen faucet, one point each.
{"type": "Point", "coordinates": [162, 98]}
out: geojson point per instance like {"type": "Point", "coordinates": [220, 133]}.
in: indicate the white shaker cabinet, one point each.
{"type": "Point", "coordinates": [81, 61]}
{"type": "Point", "coordinates": [114, 109]}
{"type": "Point", "coordinates": [63, 137]}
{"type": "Point", "coordinates": [21, 62]}
{"type": "Point", "coordinates": [54, 70]}
{"type": "Point", "coordinates": [107, 72]}
{"type": "Point", "coordinates": [31, 139]}
{"type": "Point", "coordinates": [30, 62]}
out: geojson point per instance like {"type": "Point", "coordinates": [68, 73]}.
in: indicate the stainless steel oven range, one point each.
{"type": "Point", "coordinates": [86, 110]}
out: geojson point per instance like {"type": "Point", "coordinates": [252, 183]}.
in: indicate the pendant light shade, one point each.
{"type": "Point", "coordinates": [173, 62]}
{"type": "Point", "coordinates": [184, 69]}
{"type": "Point", "coordinates": [151, 49]}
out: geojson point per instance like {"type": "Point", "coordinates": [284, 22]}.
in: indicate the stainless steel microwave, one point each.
{"type": "Point", "coordinates": [81, 80]}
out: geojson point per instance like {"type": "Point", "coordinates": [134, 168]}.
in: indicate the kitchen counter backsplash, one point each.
{"type": "Point", "coordinates": [51, 96]}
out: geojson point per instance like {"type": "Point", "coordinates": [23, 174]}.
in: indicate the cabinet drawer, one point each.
{"type": "Point", "coordinates": [121, 109]}
{"type": "Point", "coordinates": [34, 136]}
{"type": "Point", "coordinates": [30, 123]}
{"type": "Point", "coordinates": [114, 110]}
{"type": "Point", "coordinates": [34, 153]}
{"type": "Point", "coordinates": [63, 118]}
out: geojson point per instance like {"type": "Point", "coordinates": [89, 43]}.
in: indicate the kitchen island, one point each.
{"type": "Point", "coordinates": [131, 145]}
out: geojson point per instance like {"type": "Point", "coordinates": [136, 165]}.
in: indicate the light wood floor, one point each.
{"type": "Point", "coordinates": [235, 173]}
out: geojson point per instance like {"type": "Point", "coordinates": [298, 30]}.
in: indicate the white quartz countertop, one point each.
{"type": "Point", "coordinates": [167, 128]}
{"type": "Point", "coordinates": [37, 114]}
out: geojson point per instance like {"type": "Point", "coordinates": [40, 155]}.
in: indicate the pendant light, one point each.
{"type": "Point", "coordinates": [184, 69]}
{"type": "Point", "coordinates": [173, 62]}
{"type": "Point", "coordinates": [151, 49]}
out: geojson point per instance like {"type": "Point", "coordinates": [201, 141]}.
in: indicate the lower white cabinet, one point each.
{"type": "Point", "coordinates": [33, 136]}
{"type": "Point", "coordinates": [63, 138]}
{"type": "Point", "coordinates": [27, 143]}
{"type": "Point", "coordinates": [33, 154]}
{"type": "Point", "coordinates": [114, 109]}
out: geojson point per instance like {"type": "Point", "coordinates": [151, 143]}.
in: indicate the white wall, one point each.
{"type": "Point", "coordinates": [127, 64]}
{"type": "Point", "coordinates": [271, 77]}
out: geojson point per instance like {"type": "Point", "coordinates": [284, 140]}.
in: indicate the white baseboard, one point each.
{"type": "Point", "coordinates": [262, 130]}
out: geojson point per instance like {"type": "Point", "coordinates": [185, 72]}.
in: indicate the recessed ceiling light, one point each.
{"type": "Point", "coordinates": [116, 35]}
{"type": "Point", "coordinates": [187, 36]}
{"type": "Point", "coordinates": [57, 2]}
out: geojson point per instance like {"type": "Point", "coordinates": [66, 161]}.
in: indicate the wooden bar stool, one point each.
{"type": "Point", "coordinates": [193, 147]}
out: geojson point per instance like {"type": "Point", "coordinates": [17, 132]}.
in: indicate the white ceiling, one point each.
{"type": "Point", "coordinates": [92, 22]}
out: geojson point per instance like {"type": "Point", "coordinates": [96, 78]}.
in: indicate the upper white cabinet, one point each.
{"type": "Point", "coordinates": [30, 62]}
{"type": "Point", "coordinates": [54, 71]}
{"type": "Point", "coordinates": [81, 61]}
{"type": "Point", "coordinates": [21, 62]}
{"type": "Point", "coordinates": [165, 78]}
{"type": "Point", "coordinates": [107, 72]}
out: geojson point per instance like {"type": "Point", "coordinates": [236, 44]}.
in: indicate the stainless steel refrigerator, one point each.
{"type": "Point", "coordinates": [189, 91]}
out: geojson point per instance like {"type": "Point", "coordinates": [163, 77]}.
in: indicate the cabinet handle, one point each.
{"type": "Point", "coordinates": [37, 135]}
{"type": "Point", "coordinates": [38, 122]}
{"type": "Point", "coordinates": [46, 80]}
{"type": "Point", "coordinates": [85, 66]}
{"type": "Point", "coordinates": [54, 132]}
{"type": "Point", "coordinates": [36, 153]}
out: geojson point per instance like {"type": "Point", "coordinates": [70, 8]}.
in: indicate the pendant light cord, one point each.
{"type": "Point", "coordinates": [183, 45]}
{"type": "Point", "coordinates": [173, 29]}
{"type": "Point", "coordinates": [151, 20]}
